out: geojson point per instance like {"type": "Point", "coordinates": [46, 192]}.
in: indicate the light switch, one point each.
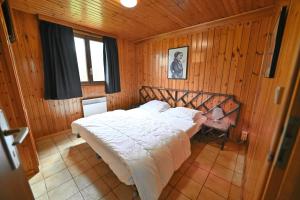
{"type": "Point", "coordinates": [278, 94]}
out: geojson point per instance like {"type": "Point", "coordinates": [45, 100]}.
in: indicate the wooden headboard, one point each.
{"type": "Point", "coordinates": [198, 100]}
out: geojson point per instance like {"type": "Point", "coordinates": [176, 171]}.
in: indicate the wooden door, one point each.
{"type": "Point", "coordinates": [12, 100]}
{"type": "Point", "coordinates": [12, 178]}
{"type": "Point", "coordinates": [284, 178]}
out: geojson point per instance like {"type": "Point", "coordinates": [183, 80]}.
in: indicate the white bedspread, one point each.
{"type": "Point", "coordinates": [151, 146]}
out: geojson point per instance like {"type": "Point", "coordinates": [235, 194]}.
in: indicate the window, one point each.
{"type": "Point", "coordinates": [89, 52]}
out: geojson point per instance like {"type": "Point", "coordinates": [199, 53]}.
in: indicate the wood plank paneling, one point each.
{"type": "Point", "coordinates": [267, 121]}
{"type": "Point", "coordinates": [224, 57]}
{"type": "Point", "coordinates": [51, 116]}
{"type": "Point", "coordinates": [148, 18]}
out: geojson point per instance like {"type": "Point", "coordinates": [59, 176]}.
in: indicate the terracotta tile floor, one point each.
{"type": "Point", "coordinates": [69, 169]}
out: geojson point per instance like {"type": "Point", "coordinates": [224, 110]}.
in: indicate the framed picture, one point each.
{"type": "Point", "coordinates": [178, 63]}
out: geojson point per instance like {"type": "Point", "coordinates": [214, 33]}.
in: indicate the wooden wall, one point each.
{"type": "Point", "coordinates": [52, 116]}
{"type": "Point", "coordinates": [267, 122]}
{"type": "Point", "coordinates": [224, 57]}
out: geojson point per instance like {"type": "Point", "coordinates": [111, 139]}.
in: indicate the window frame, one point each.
{"type": "Point", "coordinates": [87, 38]}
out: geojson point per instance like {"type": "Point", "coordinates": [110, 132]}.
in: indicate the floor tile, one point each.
{"type": "Point", "coordinates": [222, 172]}
{"type": "Point", "coordinates": [240, 159]}
{"type": "Point", "coordinates": [86, 178]}
{"type": "Point", "coordinates": [110, 196]}
{"type": "Point", "coordinates": [71, 159]}
{"type": "Point", "coordinates": [38, 189]}
{"type": "Point", "coordinates": [212, 147]}
{"type": "Point", "coordinates": [95, 191]}
{"type": "Point", "coordinates": [69, 163]}
{"type": "Point", "coordinates": [43, 197]}
{"type": "Point", "coordinates": [203, 163]}
{"type": "Point", "coordinates": [239, 168]}
{"type": "Point", "coordinates": [44, 146]}
{"type": "Point", "coordinates": [124, 192]}
{"type": "Point", "coordinates": [191, 159]}
{"type": "Point", "coordinates": [65, 146]}
{"type": "Point", "coordinates": [47, 161]}
{"type": "Point", "coordinates": [184, 167]}
{"type": "Point", "coordinates": [64, 191]}
{"type": "Point", "coordinates": [57, 179]}
{"type": "Point", "coordinates": [165, 193]}
{"type": "Point", "coordinates": [72, 136]}
{"type": "Point", "coordinates": [218, 185]}
{"type": "Point", "coordinates": [207, 194]}
{"type": "Point", "coordinates": [243, 150]}
{"type": "Point", "coordinates": [88, 152]}
{"type": "Point", "coordinates": [175, 178]}
{"type": "Point", "coordinates": [49, 170]}
{"type": "Point", "coordinates": [94, 160]}
{"type": "Point", "coordinates": [226, 162]}
{"type": "Point", "coordinates": [197, 146]}
{"type": "Point", "coordinates": [36, 178]}
{"type": "Point", "coordinates": [44, 154]}
{"type": "Point", "coordinates": [111, 180]}
{"type": "Point", "coordinates": [230, 146]}
{"type": "Point", "coordinates": [231, 155]}
{"type": "Point", "coordinates": [76, 196]}
{"type": "Point", "coordinates": [207, 154]}
{"type": "Point", "coordinates": [197, 174]}
{"type": "Point", "coordinates": [102, 169]}
{"type": "Point", "coordinates": [82, 147]}
{"type": "Point", "coordinates": [235, 193]}
{"type": "Point", "coordinates": [188, 187]}
{"type": "Point", "coordinates": [175, 195]}
{"type": "Point", "coordinates": [61, 139]}
{"type": "Point", "coordinates": [78, 141]}
{"type": "Point", "coordinates": [79, 168]}
{"type": "Point", "coordinates": [237, 179]}
{"type": "Point", "coordinates": [69, 152]}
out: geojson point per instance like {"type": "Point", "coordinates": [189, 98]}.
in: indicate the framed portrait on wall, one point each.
{"type": "Point", "coordinates": [178, 63]}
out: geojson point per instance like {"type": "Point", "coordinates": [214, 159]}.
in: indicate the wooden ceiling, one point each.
{"type": "Point", "coordinates": [148, 18]}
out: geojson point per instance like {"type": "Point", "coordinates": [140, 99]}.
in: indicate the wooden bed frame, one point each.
{"type": "Point", "coordinates": [198, 100]}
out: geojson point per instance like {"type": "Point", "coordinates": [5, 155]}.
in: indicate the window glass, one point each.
{"type": "Point", "coordinates": [96, 49]}
{"type": "Point", "coordinates": [81, 59]}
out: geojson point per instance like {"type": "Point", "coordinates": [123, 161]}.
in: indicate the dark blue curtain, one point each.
{"type": "Point", "coordinates": [111, 65]}
{"type": "Point", "coordinates": [61, 75]}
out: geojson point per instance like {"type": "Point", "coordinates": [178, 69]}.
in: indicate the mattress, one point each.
{"type": "Point", "coordinates": [139, 145]}
{"type": "Point", "coordinates": [116, 165]}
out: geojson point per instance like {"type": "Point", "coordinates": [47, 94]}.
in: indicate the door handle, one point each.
{"type": "Point", "coordinates": [19, 134]}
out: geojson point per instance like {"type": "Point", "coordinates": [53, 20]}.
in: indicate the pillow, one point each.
{"type": "Point", "coordinates": [184, 113]}
{"type": "Point", "coordinates": [155, 106]}
{"type": "Point", "coordinates": [217, 113]}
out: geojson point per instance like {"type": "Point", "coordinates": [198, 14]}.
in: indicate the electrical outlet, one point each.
{"type": "Point", "coordinates": [244, 136]}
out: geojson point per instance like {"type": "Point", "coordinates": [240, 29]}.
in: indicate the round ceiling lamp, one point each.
{"type": "Point", "coordinates": [129, 3]}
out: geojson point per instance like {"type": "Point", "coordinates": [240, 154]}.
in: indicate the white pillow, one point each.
{"type": "Point", "coordinates": [155, 106]}
{"type": "Point", "coordinates": [184, 113]}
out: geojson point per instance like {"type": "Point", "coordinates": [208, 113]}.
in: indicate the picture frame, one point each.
{"type": "Point", "coordinates": [178, 63]}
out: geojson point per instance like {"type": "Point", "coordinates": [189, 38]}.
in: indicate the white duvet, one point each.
{"type": "Point", "coordinates": [151, 145]}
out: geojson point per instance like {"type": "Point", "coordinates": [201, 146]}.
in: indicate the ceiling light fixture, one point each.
{"type": "Point", "coordinates": [129, 3]}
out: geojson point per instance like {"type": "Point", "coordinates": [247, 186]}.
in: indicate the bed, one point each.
{"type": "Point", "coordinates": [144, 146]}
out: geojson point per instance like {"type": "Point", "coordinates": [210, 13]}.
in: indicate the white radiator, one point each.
{"type": "Point", "coordinates": [94, 106]}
